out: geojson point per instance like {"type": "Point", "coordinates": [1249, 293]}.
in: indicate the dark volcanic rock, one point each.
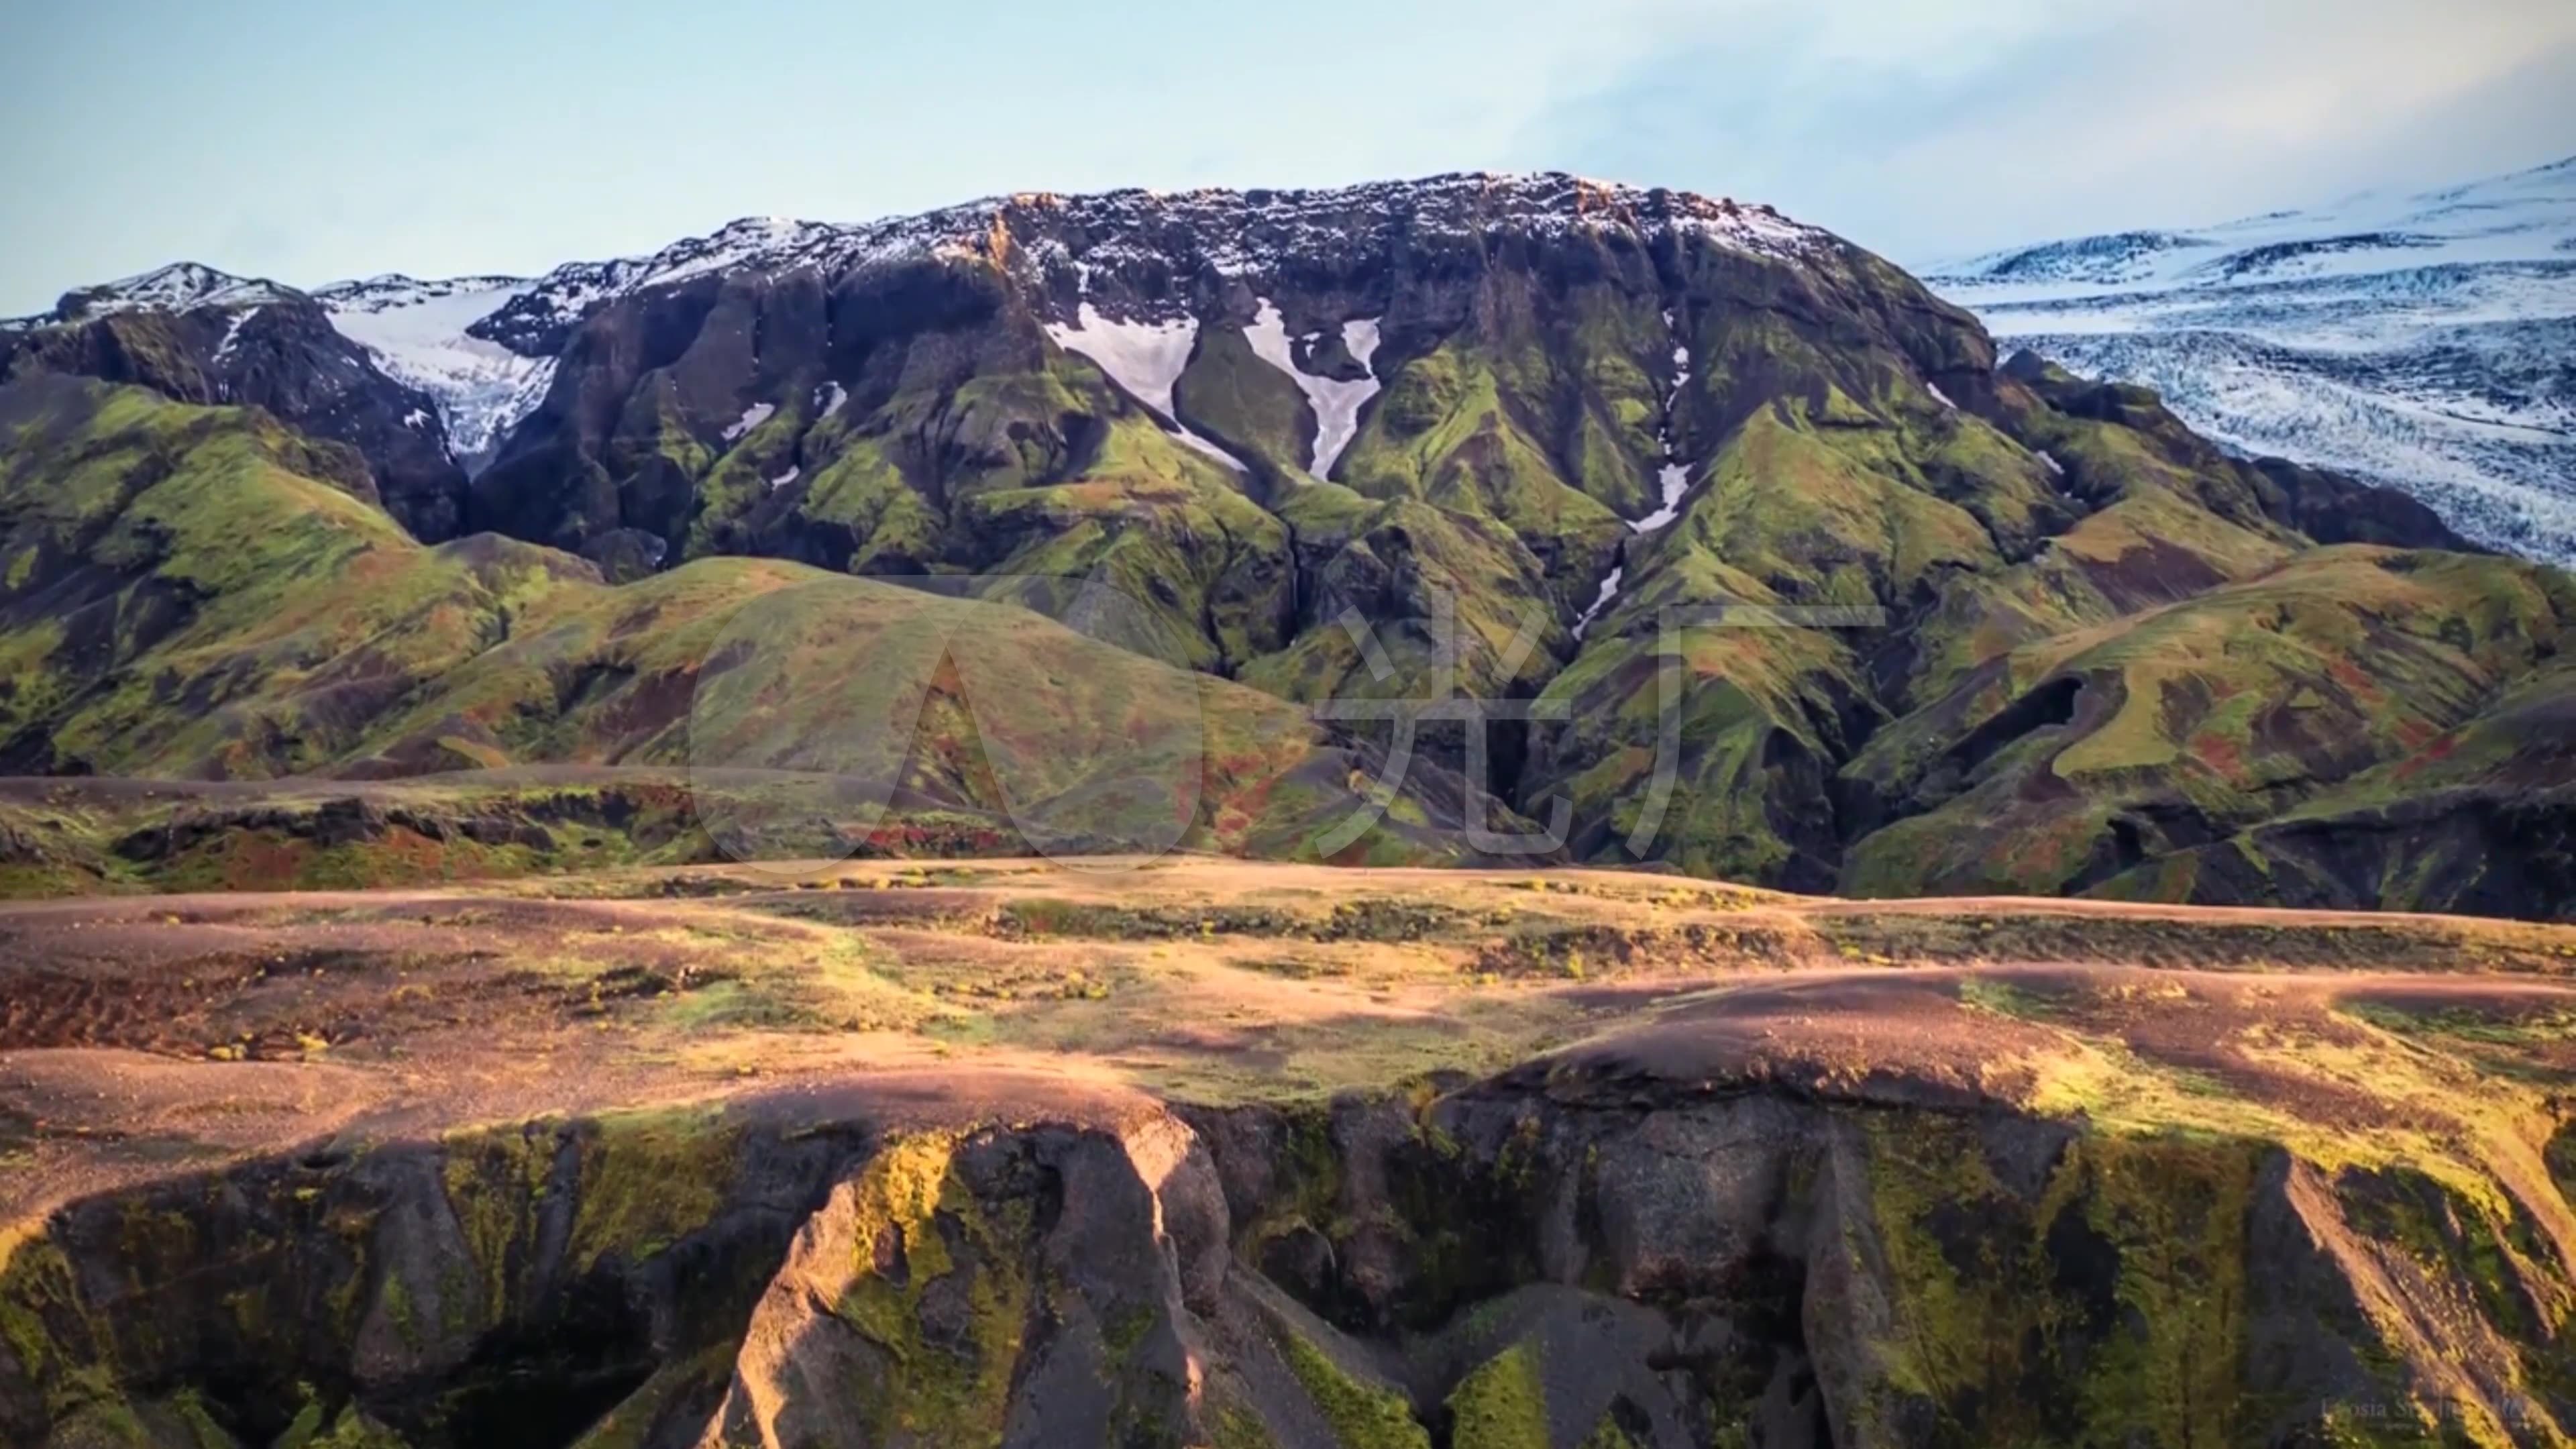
{"type": "Point", "coordinates": [280, 354]}
{"type": "Point", "coordinates": [1689, 1266]}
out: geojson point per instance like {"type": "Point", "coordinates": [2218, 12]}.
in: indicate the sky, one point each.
{"type": "Point", "coordinates": [309, 140]}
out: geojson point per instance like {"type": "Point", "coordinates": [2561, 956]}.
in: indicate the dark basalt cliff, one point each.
{"type": "Point", "coordinates": [1586, 1263]}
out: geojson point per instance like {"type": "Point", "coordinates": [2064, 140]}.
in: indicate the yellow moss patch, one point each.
{"type": "Point", "coordinates": [909, 1203]}
{"type": "Point", "coordinates": [1502, 1405]}
{"type": "Point", "coordinates": [496, 1183]}
{"type": "Point", "coordinates": [2135, 1250]}
{"type": "Point", "coordinates": [648, 1179]}
{"type": "Point", "coordinates": [1363, 1416]}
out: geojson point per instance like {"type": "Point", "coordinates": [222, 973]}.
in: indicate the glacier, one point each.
{"type": "Point", "coordinates": [2425, 340]}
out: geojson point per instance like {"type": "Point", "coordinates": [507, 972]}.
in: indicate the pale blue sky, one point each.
{"type": "Point", "coordinates": [307, 140]}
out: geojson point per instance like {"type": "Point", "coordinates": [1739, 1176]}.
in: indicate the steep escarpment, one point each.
{"type": "Point", "coordinates": [1590, 1263]}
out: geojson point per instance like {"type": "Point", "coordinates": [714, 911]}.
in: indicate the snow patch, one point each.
{"type": "Point", "coordinates": [1609, 591]}
{"type": "Point", "coordinates": [1939, 396]}
{"type": "Point", "coordinates": [179, 287]}
{"type": "Point", "coordinates": [752, 417]}
{"type": "Point", "coordinates": [1145, 358]}
{"type": "Point", "coordinates": [828, 399]}
{"type": "Point", "coordinates": [1675, 479]}
{"type": "Point", "coordinates": [232, 334]}
{"type": "Point", "coordinates": [1208, 446]}
{"type": "Point", "coordinates": [1336, 402]}
{"type": "Point", "coordinates": [415, 419]}
{"type": "Point", "coordinates": [2051, 463]}
{"type": "Point", "coordinates": [1674, 476]}
{"type": "Point", "coordinates": [782, 480]}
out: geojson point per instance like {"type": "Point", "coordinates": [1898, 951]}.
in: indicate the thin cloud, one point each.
{"type": "Point", "coordinates": [1924, 133]}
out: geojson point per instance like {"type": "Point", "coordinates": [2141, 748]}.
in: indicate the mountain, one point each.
{"type": "Point", "coordinates": [193, 595]}
{"type": "Point", "coordinates": [1359, 455]}
{"type": "Point", "coordinates": [2419, 340]}
{"type": "Point", "coordinates": [199, 335]}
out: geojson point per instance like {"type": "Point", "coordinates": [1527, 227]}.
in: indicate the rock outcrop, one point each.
{"type": "Point", "coordinates": [1589, 1252]}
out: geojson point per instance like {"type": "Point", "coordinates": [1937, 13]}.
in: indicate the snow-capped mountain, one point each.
{"type": "Point", "coordinates": [179, 287]}
{"type": "Point", "coordinates": [484, 349]}
{"type": "Point", "coordinates": [2424, 340]}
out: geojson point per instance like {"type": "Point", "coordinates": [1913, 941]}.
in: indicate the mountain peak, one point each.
{"type": "Point", "coordinates": [1235, 231]}
{"type": "Point", "coordinates": [178, 287]}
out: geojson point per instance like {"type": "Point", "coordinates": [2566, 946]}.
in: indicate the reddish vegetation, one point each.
{"type": "Point", "coordinates": [2220, 754]}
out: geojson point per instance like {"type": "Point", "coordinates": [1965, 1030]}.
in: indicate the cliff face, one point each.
{"type": "Point", "coordinates": [1510, 1266]}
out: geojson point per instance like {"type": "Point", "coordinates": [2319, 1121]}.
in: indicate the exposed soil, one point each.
{"type": "Point", "coordinates": [225, 1024]}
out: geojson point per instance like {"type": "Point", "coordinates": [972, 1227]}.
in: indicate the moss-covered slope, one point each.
{"type": "Point", "coordinates": [182, 601]}
{"type": "Point", "coordinates": [1598, 432]}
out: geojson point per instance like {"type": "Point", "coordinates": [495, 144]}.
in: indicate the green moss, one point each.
{"type": "Point", "coordinates": [1502, 1405]}
{"type": "Point", "coordinates": [2189, 702]}
{"type": "Point", "coordinates": [2004, 999]}
{"type": "Point", "coordinates": [2176, 1214]}
{"type": "Point", "coordinates": [1202, 570]}
{"type": "Point", "coordinates": [307, 1424]}
{"type": "Point", "coordinates": [47, 1328]}
{"type": "Point", "coordinates": [1362, 1415]}
{"type": "Point", "coordinates": [355, 1430]}
{"type": "Point", "coordinates": [1756, 716]}
{"type": "Point", "coordinates": [189, 1408]}
{"type": "Point", "coordinates": [1239, 1428]}
{"type": "Point", "coordinates": [105, 1424]}
{"type": "Point", "coordinates": [1229, 394]}
{"type": "Point", "coordinates": [1448, 430]}
{"type": "Point", "coordinates": [730, 487]}
{"type": "Point", "coordinates": [32, 1271]}
{"type": "Point", "coordinates": [396, 1297]}
{"type": "Point", "coordinates": [1608, 1435]}
{"type": "Point", "coordinates": [2121, 1288]}
{"type": "Point", "coordinates": [889, 522]}
{"type": "Point", "coordinates": [647, 1179]}
{"type": "Point", "coordinates": [1311, 1167]}
{"type": "Point", "coordinates": [496, 1185]}
{"type": "Point", "coordinates": [917, 1224]}
{"type": "Point", "coordinates": [1802, 515]}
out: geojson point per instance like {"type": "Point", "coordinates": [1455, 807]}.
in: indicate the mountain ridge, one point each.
{"type": "Point", "coordinates": [461, 359]}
